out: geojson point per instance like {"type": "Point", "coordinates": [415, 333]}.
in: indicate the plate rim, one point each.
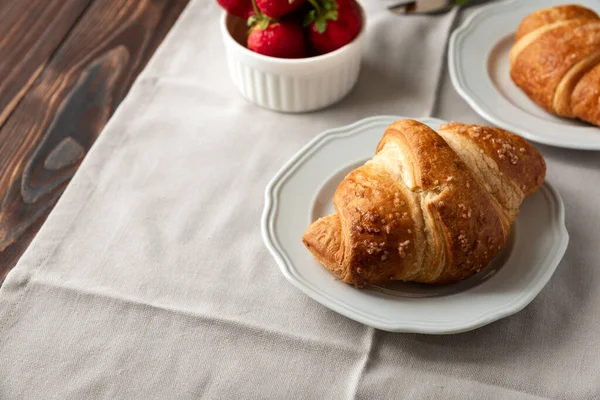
{"type": "Point", "coordinates": [458, 81]}
{"type": "Point", "coordinates": [270, 211]}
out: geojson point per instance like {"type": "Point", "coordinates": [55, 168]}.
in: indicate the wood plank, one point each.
{"type": "Point", "coordinates": [30, 33]}
{"type": "Point", "coordinates": [60, 117]}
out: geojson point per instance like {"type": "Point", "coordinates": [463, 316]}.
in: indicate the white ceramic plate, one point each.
{"type": "Point", "coordinates": [479, 69]}
{"type": "Point", "coordinates": [303, 190]}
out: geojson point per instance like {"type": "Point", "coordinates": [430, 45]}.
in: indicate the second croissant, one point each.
{"type": "Point", "coordinates": [556, 61]}
{"type": "Point", "coordinates": [431, 206]}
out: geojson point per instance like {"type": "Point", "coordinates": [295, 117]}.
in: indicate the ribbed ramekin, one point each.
{"type": "Point", "coordinates": [290, 85]}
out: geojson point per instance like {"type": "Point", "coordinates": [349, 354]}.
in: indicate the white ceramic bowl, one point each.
{"type": "Point", "coordinates": [290, 85]}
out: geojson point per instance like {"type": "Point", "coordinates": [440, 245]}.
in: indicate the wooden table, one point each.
{"type": "Point", "coordinates": [65, 66]}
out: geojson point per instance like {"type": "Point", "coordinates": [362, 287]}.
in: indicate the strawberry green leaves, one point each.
{"type": "Point", "coordinates": [323, 12]}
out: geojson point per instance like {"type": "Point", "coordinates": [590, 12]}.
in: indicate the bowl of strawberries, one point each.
{"type": "Point", "coordinates": [293, 55]}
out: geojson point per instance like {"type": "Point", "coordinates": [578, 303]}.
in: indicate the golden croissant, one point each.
{"type": "Point", "coordinates": [556, 61]}
{"type": "Point", "coordinates": [430, 207]}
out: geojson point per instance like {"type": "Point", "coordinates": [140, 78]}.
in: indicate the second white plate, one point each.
{"type": "Point", "coordinates": [302, 191]}
{"type": "Point", "coordinates": [479, 69]}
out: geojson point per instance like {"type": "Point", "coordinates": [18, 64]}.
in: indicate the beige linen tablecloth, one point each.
{"type": "Point", "coordinates": [150, 279]}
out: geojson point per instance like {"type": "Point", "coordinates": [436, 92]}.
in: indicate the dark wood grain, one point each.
{"type": "Point", "coordinates": [62, 111]}
{"type": "Point", "coordinates": [30, 32]}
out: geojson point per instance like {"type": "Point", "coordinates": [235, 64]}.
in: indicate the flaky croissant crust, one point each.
{"type": "Point", "coordinates": [556, 61]}
{"type": "Point", "coordinates": [430, 207]}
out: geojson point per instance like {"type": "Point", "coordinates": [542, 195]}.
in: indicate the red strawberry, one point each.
{"type": "Point", "coordinates": [283, 39]}
{"type": "Point", "coordinates": [332, 24]}
{"type": "Point", "coordinates": [278, 8]}
{"type": "Point", "coordinates": [241, 8]}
